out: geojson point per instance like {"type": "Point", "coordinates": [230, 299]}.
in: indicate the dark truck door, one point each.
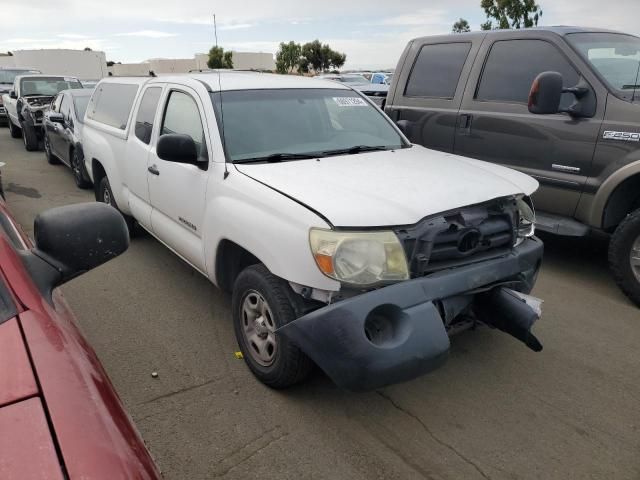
{"type": "Point", "coordinates": [60, 139]}
{"type": "Point", "coordinates": [428, 93]}
{"type": "Point", "coordinates": [495, 125]}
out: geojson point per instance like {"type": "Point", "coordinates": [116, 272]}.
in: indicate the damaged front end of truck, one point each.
{"type": "Point", "coordinates": [472, 266]}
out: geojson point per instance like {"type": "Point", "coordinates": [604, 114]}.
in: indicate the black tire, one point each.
{"type": "Point", "coordinates": [51, 158]}
{"type": "Point", "coordinates": [289, 365]}
{"type": "Point", "coordinates": [15, 131]}
{"type": "Point", "coordinates": [621, 249]}
{"type": "Point", "coordinates": [105, 195]}
{"type": "Point", "coordinates": [30, 138]}
{"type": "Point", "coordinates": [78, 170]}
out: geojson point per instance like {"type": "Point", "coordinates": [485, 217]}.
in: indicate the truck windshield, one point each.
{"type": "Point", "coordinates": [8, 76]}
{"type": "Point", "coordinates": [615, 56]}
{"type": "Point", "coordinates": [290, 124]}
{"type": "Point", "coordinates": [46, 86]}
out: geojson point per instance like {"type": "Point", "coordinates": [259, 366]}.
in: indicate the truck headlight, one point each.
{"type": "Point", "coordinates": [359, 258]}
{"type": "Point", "coordinates": [526, 219]}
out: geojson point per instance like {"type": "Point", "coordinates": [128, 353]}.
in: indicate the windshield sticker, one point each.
{"type": "Point", "coordinates": [350, 101]}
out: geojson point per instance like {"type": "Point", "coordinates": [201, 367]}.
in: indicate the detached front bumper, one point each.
{"type": "Point", "coordinates": [409, 332]}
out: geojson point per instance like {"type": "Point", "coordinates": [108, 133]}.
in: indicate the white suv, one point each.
{"type": "Point", "coordinates": [342, 243]}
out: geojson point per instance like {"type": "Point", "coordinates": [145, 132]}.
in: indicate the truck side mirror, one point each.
{"type": "Point", "coordinates": [545, 93]}
{"type": "Point", "coordinates": [405, 127]}
{"type": "Point", "coordinates": [55, 117]}
{"type": "Point", "coordinates": [12, 94]}
{"type": "Point", "coordinates": [178, 148]}
{"type": "Point", "coordinates": [77, 238]}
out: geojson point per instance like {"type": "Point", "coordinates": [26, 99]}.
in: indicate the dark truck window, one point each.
{"type": "Point", "coordinates": [111, 104]}
{"type": "Point", "coordinates": [512, 66]}
{"type": "Point", "coordinates": [146, 114]}
{"type": "Point", "coordinates": [437, 69]}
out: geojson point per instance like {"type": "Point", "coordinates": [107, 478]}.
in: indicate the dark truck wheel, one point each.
{"type": "Point", "coordinates": [105, 195]}
{"type": "Point", "coordinates": [30, 138]}
{"type": "Point", "coordinates": [51, 158]}
{"type": "Point", "coordinates": [77, 167]}
{"type": "Point", "coordinates": [260, 305]}
{"type": "Point", "coordinates": [624, 256]}
{"type": "Point", "coordinates": [15, 131]}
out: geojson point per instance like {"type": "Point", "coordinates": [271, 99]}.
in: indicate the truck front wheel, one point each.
{"type": "Point", "coordinates": [30, 138]}
{"type": "Point", "coordinates": [15, 131]}
{"type": "Point", "coordinates": [260, 305]}
{"type": "Point", "coordinates": [624, 256]}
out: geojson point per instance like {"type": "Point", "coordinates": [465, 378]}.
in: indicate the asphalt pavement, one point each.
{"type": "Point", "coordinates": [495, 411]}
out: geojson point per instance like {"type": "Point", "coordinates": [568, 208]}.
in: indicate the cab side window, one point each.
{"type": "Point", "coordinates": [182, 116]}
{"type": "Point", "coordinates": [146, 114]}
{"type": "Point", "coordinates": [512, 65]}
{"type": "Point", "coordinates": [65, 107]}
{"type": "Point", "coordinates": [55, 104]}
{"type": "Point", "coordinates": [437, 69]}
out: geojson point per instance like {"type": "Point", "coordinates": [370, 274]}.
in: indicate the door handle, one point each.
{"type": "Point", "coordinates": [464, 124]}
{"type": "Point", "coordinates": [154, 170]}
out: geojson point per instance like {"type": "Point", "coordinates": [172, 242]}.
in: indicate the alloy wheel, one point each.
{"type": "Point", "coordinates": [258, 328]}
{"type": "Point", "coordinates": [634, 258]}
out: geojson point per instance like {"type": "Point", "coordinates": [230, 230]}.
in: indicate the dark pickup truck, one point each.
{"type": "Point", "coordinates": [561, 104]}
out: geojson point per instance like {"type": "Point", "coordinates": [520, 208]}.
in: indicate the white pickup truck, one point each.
{"type": "Point", "coordinates": [342, 244]}
{"type": "Point", "coordinates": [27, 102]}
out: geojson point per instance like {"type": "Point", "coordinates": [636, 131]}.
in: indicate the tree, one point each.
{"type": "Point", "coordinates": [87, 49]}
{"type": "Point", "coordinates": [320, 58]}
{"type": "Point", "coordinates": [461, 26]}
{"type": "Point", "coordinates": [288, 57]}
{"type": "Point", "coordinates": [218, 58]}
{"type": "Point", "coordinates": [511, 13]}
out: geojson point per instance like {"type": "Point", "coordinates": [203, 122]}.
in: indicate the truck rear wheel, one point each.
{"type": "Point", "coordinates": [30, 138]}
{"type": "Point", "coordinates": [624, 256]}
{"type": "Point", "coordinates": [260, 305]}
{"type": "Point", "coordinates": [105, 195]}
{"type": "Point", "coordinates": [15, 131]}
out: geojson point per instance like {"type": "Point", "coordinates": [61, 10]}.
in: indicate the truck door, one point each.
{"type": "Point", "coordinates": [495, 125]}
{"type": "Point", "coordinates": [428, 92]}
{"type": "Point", "coordinates": [62, 131]}
{"type": "Point", "coordinates": [177, 190]}
{"type": "Point", "coordinates": [137, 154]}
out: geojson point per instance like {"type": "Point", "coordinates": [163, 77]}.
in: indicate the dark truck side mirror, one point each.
{"type": "Point", "coordinates": [177, 148]}
{"type": "Point", "coordinates": [77, 238]}
{"type": "Point", "coordinates": [55, 117]}
{"type": "Point", "coordinates": [12, 94]}
{"type": "Point", "coordinates": [546, 93]}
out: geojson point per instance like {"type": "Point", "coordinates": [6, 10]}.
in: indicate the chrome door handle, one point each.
{"type": "Point", "coordinates": [154, 170]}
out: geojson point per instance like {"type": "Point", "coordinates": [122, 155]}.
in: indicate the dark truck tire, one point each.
{"type": "Point", "coordinates": [285, 364]}
{"type": "Point", "coordinates": [15, 131]}
{"type": "Point", "coordinates": [51, 158]}
{"type": "Point", "coordinates": [624, 256]}
{"type": "Point", "coordinates": [30, 138]}
{"type": "Point", "coordinates": [105, 195]}
{"type": "Point", "coordinates": [78, 170]}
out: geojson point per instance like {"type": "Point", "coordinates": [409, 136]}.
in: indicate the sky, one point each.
{"type": "Point", "coordinates": [372, 33]}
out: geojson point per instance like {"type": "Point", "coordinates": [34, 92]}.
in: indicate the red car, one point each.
{"type": "Point", "coordinates": [60, 416]}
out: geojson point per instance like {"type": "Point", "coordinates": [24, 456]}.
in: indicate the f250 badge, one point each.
{"type": "Point", "coordinates": [622, 136]}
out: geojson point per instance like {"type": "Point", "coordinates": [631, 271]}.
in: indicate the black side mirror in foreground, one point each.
{"type": "Point", "coordinates": [12, 94]}
{"type": "Point", "coordinates": [55, 117]}
{"type": "Point", "coordinates": [178, 148]}
{"type": "Point", "coordinates": [546, 93]}
{"type": "Point", "coordinates": [77, 238]}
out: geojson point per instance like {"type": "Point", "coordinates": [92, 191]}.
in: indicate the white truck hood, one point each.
{"type": "Point", "coordinates": [390, 187]}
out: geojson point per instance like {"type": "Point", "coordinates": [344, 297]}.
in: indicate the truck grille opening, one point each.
{"type": "Point", "coordinates": [459, 237]}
